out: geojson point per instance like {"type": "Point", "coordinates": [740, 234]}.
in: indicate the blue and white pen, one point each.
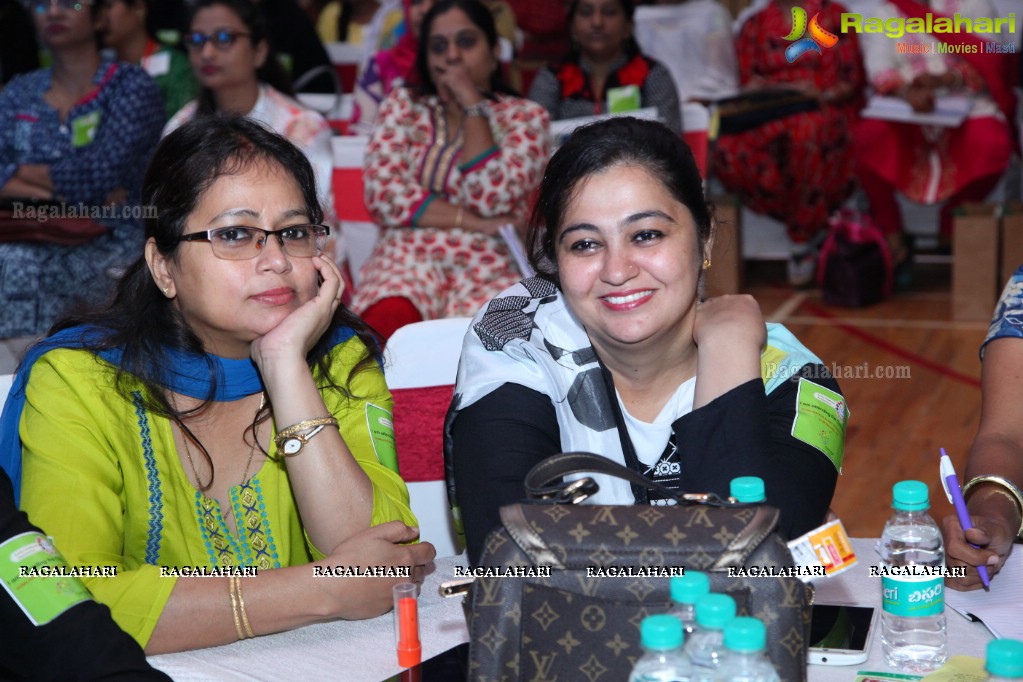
{"type": "Point", "coordinates": [950, 482]}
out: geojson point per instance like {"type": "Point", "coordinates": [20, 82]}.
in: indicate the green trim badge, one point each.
{"type": "Point", "coordinates": [821, 416]}
{"type": "Point", "coordinates": [45, 593]}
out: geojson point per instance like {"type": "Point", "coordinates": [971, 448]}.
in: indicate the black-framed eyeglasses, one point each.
{"type": "Point", "coordinates": [40, 6]}
{"type": "Point", "coordinates": [239, 242]}
{"type": "Point", "coordinates": [222, 39]}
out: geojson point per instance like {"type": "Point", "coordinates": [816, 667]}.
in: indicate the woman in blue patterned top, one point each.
{"type": "Point", "coordinates": [78, 133]}
{"type": "Point", "coordinates": [994, 471]}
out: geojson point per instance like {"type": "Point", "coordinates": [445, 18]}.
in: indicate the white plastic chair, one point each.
{"type": "Point", "coordinates": [420, 365]}
{"type": "Point", "coordinates": [6, 381]}
{"type": "Point", "coordinates": [360, 233]}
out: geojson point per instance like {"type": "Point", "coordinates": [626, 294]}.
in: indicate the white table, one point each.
{"type": "Point", "coordinates": [363, 651]}
{"type": "Point", "coordinates": [348, 651]}
{"type": "Point", "coordinates": [857, 587]}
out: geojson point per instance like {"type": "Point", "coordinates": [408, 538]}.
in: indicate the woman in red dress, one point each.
{"type": "Point", "coordinates": [796, 169]}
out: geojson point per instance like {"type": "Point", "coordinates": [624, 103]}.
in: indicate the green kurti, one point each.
{"type": "Point", "coordinates": [103, 477]}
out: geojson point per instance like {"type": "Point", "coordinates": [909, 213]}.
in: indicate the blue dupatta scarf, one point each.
{"type": "Point", "coordinates": [185, 373]}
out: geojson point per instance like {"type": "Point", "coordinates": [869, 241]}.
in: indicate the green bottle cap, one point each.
{"type": "Point", "coordinates": [661, 633]}
{"type": "Point", "coordinates": [910, 496]}
{"type": "Point", "coordinates": [714, 610]}
{"type": "Point", "coordinates": [745, 634]}
{"type": "Point", "coordinates": [748, 489]}
{"type": "Point", "coordinates": [1005, 658]}
{"type": "Point", "coordinates": [688, 588]}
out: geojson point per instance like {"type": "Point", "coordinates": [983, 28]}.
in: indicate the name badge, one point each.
{"type": "Point", "coordinates": [24, 560]}
{"type": "Point", "coordinates": [622, 99]}
{"type": "Point", "coordinates": [83, 129]}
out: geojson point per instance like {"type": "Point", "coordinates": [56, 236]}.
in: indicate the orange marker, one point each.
{"type": "Point", "coordinates": [406, 624]}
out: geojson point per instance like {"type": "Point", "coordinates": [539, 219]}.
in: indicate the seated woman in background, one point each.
{"type": "Point", "coordinates": [604, 61]}
{"type": "Point", "coordinates": [77, 133]}
{"type": "Point", "coordinates": [994, 471]}
{"type": "Point", "coordinates": [610, 350]}
{"type": "Point", "coordinates": [218, 412]}
{"type": "Point", "coordinates": [797, 169]}
{"type": "Point", "coordinates": [388, 69]}
{"type": "Point", "coordinates": [931, 164]}
{"type": "Point", "coordinates": [239, 73]}
{"type": "Point", "coordinates": [125, 28]}
{"type": "Point", "coordinates": [448, 163]}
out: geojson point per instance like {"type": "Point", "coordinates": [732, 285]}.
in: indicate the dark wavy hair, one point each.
{"type": "Point", "coordinates": [143, 322]}
{"type": "Point", "coordinates": [630, 46]}
{"type": "Point", "coordinates": [598, 147]}
{"type": "Point", "coordinates": [272, 72]}
{"type": "Point", "coordinates": [483, 19]}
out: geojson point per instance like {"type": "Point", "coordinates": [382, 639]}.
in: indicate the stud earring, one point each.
{"type": "Point", "coordinates": [706, 263]}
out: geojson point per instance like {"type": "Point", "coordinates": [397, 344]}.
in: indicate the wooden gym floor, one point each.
{"type": "Point", "coordinates": [897, 424]}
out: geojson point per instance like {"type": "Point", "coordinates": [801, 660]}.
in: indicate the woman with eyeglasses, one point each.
{"type": "Point", "coordinates": [76, 134]}
{"type": "Point", "coordinates": [224, 411]}
{"type": "Point", "coordinates": [449, 162]}
{"type": "Point", "coordinates": [125, 27]}
{"type": "Point", "coordinates": [240, 73]}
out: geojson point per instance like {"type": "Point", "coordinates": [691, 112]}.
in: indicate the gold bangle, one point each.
{"type": "Point", "coordinates": [241, 603]}
{"type": "Point", "coordinates": [234, 607]}
{"type": "Point", "coordinates": [459, 216]}
{"type": "Point", "coordinates": [1006, 485]}
{"type": "Point", "coordinates": [290, 442]}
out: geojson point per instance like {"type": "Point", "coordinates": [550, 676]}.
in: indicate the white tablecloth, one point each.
{"type": "Point", "coordinates": [363, 651]}
{"type": "Point", "coordinates": [347, 651]}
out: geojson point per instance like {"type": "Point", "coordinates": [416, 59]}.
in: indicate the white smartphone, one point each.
{"type": "Point", "coordinates": [840, 635]}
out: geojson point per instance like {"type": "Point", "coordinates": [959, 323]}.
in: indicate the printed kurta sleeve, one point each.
{"type": "Point", "coordinates": [659, 91]}
{"type": "Point", "coordinates": [73, 487]}
{"type": "Point", "coordinates": [8, 110]}
{"type": "Point", "coordinates": [545, 90]}
{"type": "Point", "coordinates": [499, 181]}
{"type": "Point", "coordinates": [393, 192]}
{"type": "Point", "coordinates": [365, 420]}
{"type": "Point", "coordinates": [747, 432]}
{"type": "Point", "coordinates": [130, 117]}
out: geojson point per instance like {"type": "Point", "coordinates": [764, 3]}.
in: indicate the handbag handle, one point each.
{"type": "Point", "coordinates": [543, 481]}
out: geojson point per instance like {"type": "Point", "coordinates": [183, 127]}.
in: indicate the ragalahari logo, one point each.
{"type": "Point", "coordinates": [812, 43]}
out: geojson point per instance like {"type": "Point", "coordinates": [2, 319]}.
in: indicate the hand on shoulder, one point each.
{"type": "Point", "coordinates": [733, 320]}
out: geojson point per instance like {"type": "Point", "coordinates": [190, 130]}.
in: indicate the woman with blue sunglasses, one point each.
{"type": "Point", "coordinates": [240, 73]}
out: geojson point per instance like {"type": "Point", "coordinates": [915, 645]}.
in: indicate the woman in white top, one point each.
{"type": "Point", "coordinates": [239, 73]}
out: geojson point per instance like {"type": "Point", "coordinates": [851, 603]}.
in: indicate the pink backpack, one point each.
{"type": "Point", "coordinates": [854, 268]}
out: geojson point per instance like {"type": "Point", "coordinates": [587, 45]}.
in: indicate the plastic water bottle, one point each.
{"type": "Point", "coordinates": [746, 641]}
{"type": "Point", "coordinates": [1004, 660]}
{"type": "Point", "coordinates": [664, 660]}
{"type": "Point", "coordinates": [686, 590]}
{"type": "Point", "coordinates": [913, 606]}
{"type": "Point", "coordinates": [749, 489]}
{"type": "Point", "coordinates": [706, 648]}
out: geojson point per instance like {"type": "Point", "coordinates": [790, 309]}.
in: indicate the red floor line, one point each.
{"type": "Point", "coordinates": [818, 311]}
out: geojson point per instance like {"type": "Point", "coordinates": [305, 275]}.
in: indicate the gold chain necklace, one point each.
{"type": "Point", "coordinates": [248, 462]}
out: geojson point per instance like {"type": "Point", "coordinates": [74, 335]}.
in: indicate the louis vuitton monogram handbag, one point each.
{"type": "Point", "coordinates": [608, 568]}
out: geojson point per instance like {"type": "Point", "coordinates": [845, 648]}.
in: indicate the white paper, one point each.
{"type": "Point", "coordinates": [1001, 609]}
{"type": "Point", "coordinates": [949, 110]}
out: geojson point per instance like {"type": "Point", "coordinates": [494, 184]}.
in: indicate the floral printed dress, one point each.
{"type": "Point", "coordinates": [796, 169]}
{"type": "Point", "coordinates": [412, 160]}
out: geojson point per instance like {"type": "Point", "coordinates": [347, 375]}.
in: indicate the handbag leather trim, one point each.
{"type": "Point", "coordinates": [526, 538]}
{"type": "Point", "coordinates": [763, 523]}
